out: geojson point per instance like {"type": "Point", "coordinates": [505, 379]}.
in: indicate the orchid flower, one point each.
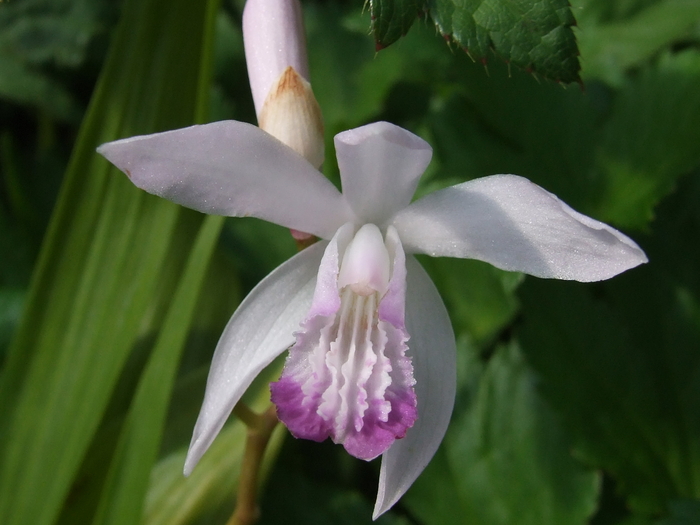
{"type": "Point", "coordinates": [372, 359]}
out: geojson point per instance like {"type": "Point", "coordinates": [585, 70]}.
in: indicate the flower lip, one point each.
{"type": "Point", "coordinates": [348, 376]}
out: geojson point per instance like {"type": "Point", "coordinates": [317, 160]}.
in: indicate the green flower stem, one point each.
{"type": "Point", "coordinates": [260, 428]}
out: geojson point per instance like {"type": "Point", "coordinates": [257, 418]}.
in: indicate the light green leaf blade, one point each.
{"type": "Point", "coordinates": [93, 292]}
{"type": "Point", "coordinates": [211, 488]}
{"type": "Point", "coordinates": [125, 489]}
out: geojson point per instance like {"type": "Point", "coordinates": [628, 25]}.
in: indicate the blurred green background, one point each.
{"type": "Point", "coordinates": [577, 403]}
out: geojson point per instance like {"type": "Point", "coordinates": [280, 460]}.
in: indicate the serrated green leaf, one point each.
{"type": "Point", "coordinates": [505, 458]}
{"type": "Point", "coordinates": [391, 19]}
{"type": "Point", "coordinates": [536, 36]}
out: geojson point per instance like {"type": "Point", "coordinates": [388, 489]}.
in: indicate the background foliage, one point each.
{"type": "Point", "coordinates": [578, 403]}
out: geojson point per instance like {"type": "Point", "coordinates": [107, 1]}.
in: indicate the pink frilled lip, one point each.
{"type": "Point", "coordinates": [348, 376]}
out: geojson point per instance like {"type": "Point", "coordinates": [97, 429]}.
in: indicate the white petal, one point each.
{"type": "Point", "coordinates": [261, 329]}
{"type": "Point", "coordinates": [273, 34]}
{"type": "Point", "coordinates": [515, 225]}
{"type": "Point", "coordinates": [380, 165]}
{"type": "Point", "coordinates": [232, 168]}
{"type": "Point", "coordinates": [432, 346]}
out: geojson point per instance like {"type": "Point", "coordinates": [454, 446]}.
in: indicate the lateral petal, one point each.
{"type": "Point", "coordinates": [508, 221]}
{"type": "Point", "coordinates": [235, 169]}
{"type": "Point", "coordinates": [380, 165]}
{"type": "Point", "coordinates": [433, 351]}
{"type": "Point", "coordinates": [262, 327]}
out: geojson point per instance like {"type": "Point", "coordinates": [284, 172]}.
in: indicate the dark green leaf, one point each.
{"type": "Point", "coordinates": [534, 35]}
{"type": "Point", "coordinates": [480, 298]}
{"type": "Point", "coordinates": [683, 512]}
{"type": "Point", "coordinates": [651, 139]}
{"type": "Point", "coordinates": [487, 129]}
{"type": "Point", "coordinates": [610, 49]}
{"type": "Point", "coordinates": [318, 484]}
{"type": "Point", "coordinates": [612, 154]}
{"type": "Point", "coordinates": [505, 458]}
{"type": "Point", "coordinates": [11, 301]}
{"type": "Point", "coordinates": [353, 81]}
{"type": "Point", "coordinates": [620, 362]}
{"type": "Point", "coordinates": [391, 19]}
{"type": "Point", "coordinates": [23, 85]}
{"type": "Point", "coordinates": [50, 31]}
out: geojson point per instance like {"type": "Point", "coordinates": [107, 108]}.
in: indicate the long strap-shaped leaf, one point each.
{"type": "Point", "coordinates": [124, 492]}
{"type": "Point", "coordinates": [94, 290]}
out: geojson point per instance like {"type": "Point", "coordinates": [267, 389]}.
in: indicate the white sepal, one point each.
{"type": "Point", "coordinates": [380, 165]}
{"type": "Point", "coordinates": [235, 169]}
{"type": "Point", "coordinates": [433, 351]}
{"type": "Point", "coordinates": [261, 329]}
